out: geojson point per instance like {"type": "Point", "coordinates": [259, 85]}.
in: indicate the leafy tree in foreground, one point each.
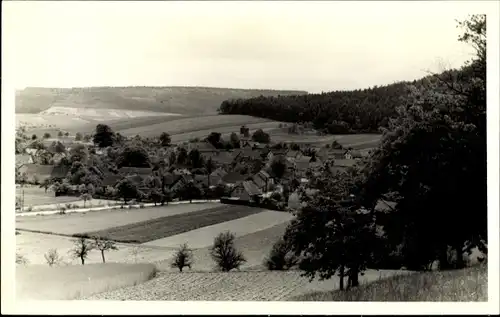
{"type": "Point", "coordinates": [332, 234]}
{"type": "Point", "coordinates": [434, 156]}
{"type": "Point", "coordinates": [104, 245]}
{"type": "Point", "coordinates": [225, 254]}
{"type": "Point", "coordinates": [183, 258]}
{"type": "Point", "coordinates": [46, 135]}
{"type": "Point", "coordinates": [85, 197]}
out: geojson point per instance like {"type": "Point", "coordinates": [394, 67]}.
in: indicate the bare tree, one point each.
{"type": "Point", "coordinates": [81, 249]}
{"type": "Point", "coordinates": [104, 245]}
{"type": "Point", "coordinates": [183, 258]}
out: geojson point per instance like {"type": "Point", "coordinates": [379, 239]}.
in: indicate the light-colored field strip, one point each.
{"type": "Point", "coordinates": [203, 237]}
{"type": "Point", "coordinates": [33, 246]}
{"type": "Point", "coordinates": [234, 286]}
{"type": "Point", "coordinates": [99, 220]}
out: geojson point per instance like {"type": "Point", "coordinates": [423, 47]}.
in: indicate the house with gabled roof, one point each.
{"type": "Point", "coordinates": [203, 180]}
{"type": "Point", "coordinates": [262, 180]}
{"type": "Point", "coordinates": [203, 147]}
{"type": "Point", "coordinates": [232, 178]}
{"type": "Point", "coordinates": [245, 191]}
{"type": "Point", "coordinates": [221, 172]}
{"type": "Point", "coordinates": [276, 152]}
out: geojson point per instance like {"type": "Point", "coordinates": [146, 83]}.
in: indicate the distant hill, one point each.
{"type": "Point", "coordinates": [181, 100]}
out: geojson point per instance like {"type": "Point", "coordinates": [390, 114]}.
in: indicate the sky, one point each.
{"type": "Point", "coordinates": [312, 46]}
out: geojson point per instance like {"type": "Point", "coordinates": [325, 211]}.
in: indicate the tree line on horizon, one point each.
{"type": "Point", "coordinates": [340, 112]}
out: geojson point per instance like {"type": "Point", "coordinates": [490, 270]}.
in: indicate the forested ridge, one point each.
{"type": "Point", "coordinates": [338, 112]}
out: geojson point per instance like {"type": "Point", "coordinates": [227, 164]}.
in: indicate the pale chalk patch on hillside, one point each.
{"type": "Point", "coordinates": [204, 237]}
{"type": "Point", "coordinates": [103, 113]}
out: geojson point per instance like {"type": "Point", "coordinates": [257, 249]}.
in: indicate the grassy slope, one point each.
{"type": "Point", "coordinates": [41, 282]}
{"type": "Point", "coordinates": [470, 284]}
{"type": "Point", "coordinates": [183, 100]}
{"type": "Point", "coordinates": [159, 228]}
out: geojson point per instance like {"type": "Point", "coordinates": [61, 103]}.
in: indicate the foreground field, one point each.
{"type": "Point", "coordinates": [470, 284]}
{"type": "Point", "coordinates": [255, 247]}
{"type": "Point", "coordinates": [100, 220]}
{"type": "Point", "coordinates": [159, 228]}
{"type": "Point", "coordinates": [234, 286]}
{"type": "Point", "coordinates": [37, 282]}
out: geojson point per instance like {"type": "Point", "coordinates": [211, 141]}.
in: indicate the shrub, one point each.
{"type": "Point", "coordinates": [20, 259]}
{"type": "Point", "coordinates": [30, 208]}
{"type": "Point", "coordinates": [69, 205]}
{"type": "Point", "coordinates": [281, 257]}
{"type": "Point", "coordinates": [141, 206]}
{"type": "Point", "coordinates": [225, 254]}
{"type": "Point", "coordinates": [62, 210]}
{"type": "Point", "coordinates": [52, 257]}
{"type": "Point", "coordinates": [182, 258]}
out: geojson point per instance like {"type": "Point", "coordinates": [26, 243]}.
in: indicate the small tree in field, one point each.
{"type": "Point", "coordinates": [225, 254]}
{"type": "Point", "coordinates": [104, 245]}
{"type": "Point", "coordinates": [85, 197]}
{"type": "Point", "coordinates": [20, 259]}
{"type": "Point", "coordinates": [182, 258]}
{"type": "Point", "coordinates": [81, 248]}
{"type": "Point", "coordinates": [78, 136]}
{"type": "Point", "coordinates": [46, 135]}
{"type": "Point", "coordinates": [52, 257]}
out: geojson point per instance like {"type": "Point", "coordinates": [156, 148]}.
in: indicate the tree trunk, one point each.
{"type": "Point", "coordinates": [83, 260]}
{"type": "Point", "coordinates": [460, 264]}
{"type": "Point", "coordinates": [84, 204]}
{"type": "Point", "coordinates": [341, 276]}
{"type": "Point", "coordinates": [353, 279]}
{"type": "Point", "coordinates": [102, 254]}
{"type": "Point", "coordinates": [180, 269]}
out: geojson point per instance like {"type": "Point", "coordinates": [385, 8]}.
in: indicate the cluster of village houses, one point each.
{"type": "Point", "coordinates": [243, 186]}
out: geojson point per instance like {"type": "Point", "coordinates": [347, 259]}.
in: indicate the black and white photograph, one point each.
{"type": "Point", "coordinates": [274, 152]}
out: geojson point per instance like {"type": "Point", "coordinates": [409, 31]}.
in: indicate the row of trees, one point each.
{"type": "Point", "coordinates": [431, 164]}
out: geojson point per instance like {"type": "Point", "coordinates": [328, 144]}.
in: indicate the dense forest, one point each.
{"type": "Point", "coordinates": [339, 112]}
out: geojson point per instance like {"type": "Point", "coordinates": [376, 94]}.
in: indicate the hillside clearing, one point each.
{"type": "Point", "coordinates": [37, 282]}
{"type": "Point", "coordinates": [233, 286]}
{"type": "Point", "coordinates": [193, 124]}
{"type": "Point", "coordinates": [203, 237]}
{"type": "Point", "coordinates": [159, 228]}
{"type": "Point", "coordinates": [469, 284]}
{"type": "Point", "coordinates": [35, 196]}
{"type": "Point", "coordinates": [100, 220]}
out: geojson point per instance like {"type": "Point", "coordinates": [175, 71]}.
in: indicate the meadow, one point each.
{"type": "Point", "coordinates": [41, 282]}
{"type": "Point", "coordinates": [470, 284]}
{"type": "Point", "coordinates": [72, 223]}
{"type": "Point", "coordinates": [35, 196]}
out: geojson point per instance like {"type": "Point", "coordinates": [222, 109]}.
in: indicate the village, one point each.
{"type": "Point", "coordinates": [250, 172]}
